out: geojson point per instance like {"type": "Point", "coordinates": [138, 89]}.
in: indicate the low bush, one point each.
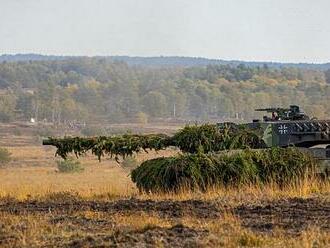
{"type": "Point", "coordinates": [4, 156]}
{"type": "Point", "coordinates": [202, 171]}
{"type": "Point", "coordinates": [69, 166]}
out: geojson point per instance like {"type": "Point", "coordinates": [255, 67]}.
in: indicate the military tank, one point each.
{"type": "Point", "coordinates": [284, 127]}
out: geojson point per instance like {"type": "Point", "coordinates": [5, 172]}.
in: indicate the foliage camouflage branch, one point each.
{"type": "Point", "coordinates": [114, 146]}
{"type": "Point", "coordinates": [191, 139]}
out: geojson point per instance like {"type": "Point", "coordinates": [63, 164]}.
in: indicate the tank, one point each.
{"type": "Point", "coordinates": [284, 127]}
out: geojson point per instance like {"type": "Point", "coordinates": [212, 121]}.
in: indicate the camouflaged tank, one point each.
{"type": "Point", "coordinates": [292, 127]}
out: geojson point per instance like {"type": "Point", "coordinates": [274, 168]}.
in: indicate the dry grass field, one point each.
{"type": "Point", "coordinates": [100, 207]}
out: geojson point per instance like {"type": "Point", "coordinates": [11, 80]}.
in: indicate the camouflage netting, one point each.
{"type": "Point", "coordinates": [203, 171]}
{"type": "Point", "coordinates": [201, 166]}
{"type": "Point", "coordinates": [124, 145]}
{"type": "Point", "coordinates": [191, 139]}
{"type": "Point", "coordinates": [210, 138]}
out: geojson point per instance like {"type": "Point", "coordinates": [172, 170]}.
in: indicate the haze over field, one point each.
{"type": "Point", "coordinates": [255, 30]}
{"type": "Point", "coordinates": [122, 123]}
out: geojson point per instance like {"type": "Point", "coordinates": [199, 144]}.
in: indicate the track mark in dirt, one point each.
{"type": "Point", "coordinates": [153, 236]}
{"type": "Point", "coordinates": [291, 215]}
{"type": "Point", "coordinates": [82, 223]}
{"type": "Point", "coordinates": [166, 208]}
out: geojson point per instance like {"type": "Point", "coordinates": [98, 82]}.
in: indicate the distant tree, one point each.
{"type": "Point", "coordinates": [7, 107]}
{"type": "Point", "coordinates": [155, 104]}
{"type": "Point", "coordinates": [25, 104]}
{"type": "Point", "coordinates": [197, 107]}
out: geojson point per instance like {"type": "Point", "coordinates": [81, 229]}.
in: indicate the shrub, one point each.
{"type": "Point", "coordinates": [4, 156]}
{"type": "Point", "coordinates": [69, 166]}
{"type": "Point", "coordinates": [202, 171]}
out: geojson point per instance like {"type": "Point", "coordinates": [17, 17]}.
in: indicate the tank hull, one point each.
{"type": "Point", "coordinates": [293, 133]}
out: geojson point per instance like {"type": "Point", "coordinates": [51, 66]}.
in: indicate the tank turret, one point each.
{"type": "Point", "coordinates": [293, 113]}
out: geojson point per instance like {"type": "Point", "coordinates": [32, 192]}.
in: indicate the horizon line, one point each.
{"type": "Point", "coordinates": [166, 56]}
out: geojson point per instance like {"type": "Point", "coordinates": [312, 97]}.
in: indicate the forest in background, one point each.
{"type": "Point", "coordinates": [165, 61]}
{"type": "Point", "coordinates": [111, 90]}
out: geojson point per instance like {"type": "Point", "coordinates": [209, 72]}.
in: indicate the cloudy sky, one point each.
{"type": "Point", "coordinates": [258, 30]}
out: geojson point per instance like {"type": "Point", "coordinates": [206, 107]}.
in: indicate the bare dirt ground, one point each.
{"type": "Point", "coordinates": [106, 225]}
{"type": "Point", "coordinates": [292, 215]}
{"type": "Point", "coordinates": [100, 207]}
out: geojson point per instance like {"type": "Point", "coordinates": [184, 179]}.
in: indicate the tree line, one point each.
{"type": "Point", "coordinates": [104, 90]}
